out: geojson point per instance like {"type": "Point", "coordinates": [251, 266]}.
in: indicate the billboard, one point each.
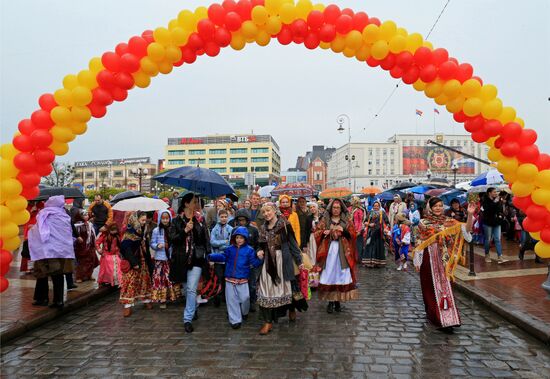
{"type": "Point", "coordinates": [418, 159]}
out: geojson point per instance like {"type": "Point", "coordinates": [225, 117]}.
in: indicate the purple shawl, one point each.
{"type": "Point", "coordinates": [52, 235]}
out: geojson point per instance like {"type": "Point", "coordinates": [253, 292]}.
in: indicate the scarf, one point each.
{"type": "Point", "coordinates": [286, 212]}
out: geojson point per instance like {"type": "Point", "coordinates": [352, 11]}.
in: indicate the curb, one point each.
{"type": "Point", "coordinates": [524, 321]}
{"type": "Point", "coordinates": [23, 326]}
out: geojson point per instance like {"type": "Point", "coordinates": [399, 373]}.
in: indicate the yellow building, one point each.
{"type": "Point", "coordinates": [232, 156]}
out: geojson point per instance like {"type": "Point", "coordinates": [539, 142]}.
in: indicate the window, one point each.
{"type": "Point", "coordinates": [377, 172]}
{"type": "Point", "coordinates": [370, 151]}
{"type": "Point", "coordinates": [378, 162]}
{"type": "Point", "coordinates": [89, 175]}
{"type": "Point", "coordinates": [176, 152]}
{"type": "Point", "coordinates": [217, 161]}
{"type": "Point", "coordinates": [197, 161]}
{"type": "Point", "coordinates": [239, 169]}
{"type": "Point", "coordinates": [238, 151]}
{"type": "Point", "coordinates": [318, 164]}
{"type": "Point", "coordinates": [261, 169]}
{"type": "Point", "coordinates": [219, 170]}
{"type": "Point", "coordinates": [257, 150]}
{"type": "Point", "coordinates": [197, 152]}
{"type": "Point", "coordinates": [218, 151]}
{"type": "Point", "coordinates": [117, 174]}
{"type": "Point", "coordinates": [177, 161]}
{"type": "Point", "coordinates": [370, 171]}
{"type": "Point", "coordinates": [262, 159]}
{"type": "Point", "coordinates": [239, 160]}
{"type": "Point", "coordinates": [318, 176]}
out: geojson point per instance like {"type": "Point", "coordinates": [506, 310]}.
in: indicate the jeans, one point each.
{"type": "Point", "coordinates": [193, 277]}
{"type": "Point", "coordinates": [41, 290]}
{"type": "Point", "coordinates": [492, 232]}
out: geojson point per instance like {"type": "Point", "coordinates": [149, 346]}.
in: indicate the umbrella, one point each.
{"type": "Point", "coordinates": [437, 191]}
{"type": "Point", "coordinates": [144, 204]}
{"type": "Point", "coordinates": [266, 191]}
{"type": "Point", "coordinates": [403, 185]}
{"type": "Point", "coordinates": [419, 189]}
{"type": "Point", "coordinates": [294, 189]}
{"type": "Point", "coordinates": [490, 177]}
{"type": "Point", "coordinates": [438, 182]}
{"type": "Point", "coordinates": [69, 193]}
{"type": "Point", "coordinates": [125, 195]}
{"type": "Point", "coordinates": [203, 181]}
{"type": "Point", "coordinates": [452, 194]}
{"type": "Point", "coordinates": [335, 193]}
{"type": "Point", "coordinates": [481, 189]}
{"type": "Point", "coordinates": [372, 189]}
{"type": "Point", "coordinates": [388, 195]}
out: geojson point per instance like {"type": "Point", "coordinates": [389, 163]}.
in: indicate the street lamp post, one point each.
{"type": "Point", "coordinates": [340, 120]}
{"type": "Point", "coordinates": [454, 168]}
{"type": "Point", "coordinates": [139, 173]}
{"type": "Point", "coordinates": [429, 174]}
{"type": "Point", "coordinates": [355, 177]}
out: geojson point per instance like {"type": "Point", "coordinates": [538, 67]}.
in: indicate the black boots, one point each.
{"type": "Point", "coordinates": [337, 307]}
{"type": "Point", "coordinates": [334, 306]}
{"type": "Point", "coordinates": [330, 307]}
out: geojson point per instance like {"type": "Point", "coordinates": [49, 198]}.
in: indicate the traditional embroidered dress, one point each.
{"type": "Point", "coordinates": [374, 254]}
{"type": "Point", "coordinates": [438, 252]}
{"type": "Point", "coordinates": [85, 252]}
{"type": "Point", "coordinates": [109, 263]}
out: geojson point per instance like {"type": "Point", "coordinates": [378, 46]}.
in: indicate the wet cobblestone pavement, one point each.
{"type": "Point", "coordinates": [382, 335]}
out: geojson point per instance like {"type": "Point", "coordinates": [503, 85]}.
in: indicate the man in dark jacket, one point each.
{"type": "Point", "coordinates": [303, 213]}
{"type": "Point", "coordinates": [492, 213]}
{"type": "Point", "coordinates": [100, 213]}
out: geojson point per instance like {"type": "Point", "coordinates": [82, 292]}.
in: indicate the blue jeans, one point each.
{"type": "Point", "coordinates": [492, 232]}
{"type": "Point", "coordinates": [193, 277]}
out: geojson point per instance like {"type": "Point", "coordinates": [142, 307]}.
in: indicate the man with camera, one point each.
{"type": "Point", "coordinates": [492, 211]}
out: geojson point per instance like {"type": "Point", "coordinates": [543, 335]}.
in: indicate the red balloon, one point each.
{"type": "Point", "coordinates": [411, 74]}
{"type": "Point", "coordinates": [206, 29]}
{"type": "Point", "coordinates": [360, 20]}
{"type": "Point", "coordinates": [480, 136]}
{"type": "Point", "coordinates": [47, 102]}
{"type": "Point", "coordinates": [464, 72]}
{"type": "Point", "coordinates": [529, 154]}
{"type": "Point", "coordinates": [527, 137]}
{"type": "Point", "coordinates": [129, 63]}
{"type": "Point", "coordinates": [460, 117]}
{"type": "Point", "coordinates": [111, 61]}
{"type": "Point", "coordinates": [478, 79]}
{"type": "Point", "coordinates": [498, 142]}
{"type": "Point", "coordinates": [195, 42]}
{"type": "Point", "coordinates": [124, 80]}
{"type": "Point", "coordinates": [315, 20]}
{"type": "Point", "coordinates": [510, 148]}
{"type": "Point", "coordinates": [106, 79]}
{"type": "Point", "coordinates": [222, 37]}
{"type": "Point", "coordinates": [439, 56]}
{"type": "Point", "coordinates": [422, 56]}
{"type": "Point", "coordinates": [122, 48]}
{"type": "Point", "coordinates": [532, 225]}
{"type": "Point", "coordinates": [545, 234]}
{"type": "Point", "coordinates": [543, 163]}
{"type": "Point", "coordinates": [344, 24]}
{"type": "Point", "coordinates": [102, 96]}
{"type": "Point", "coordinates": [230, 5]}
{"type": "Point", "coordinates": [5, 257]}
{"type": "Point", "coordinates": [138, 46]}
{"type": "Point", "coordinates": [474, 124]}
{"type": "Point", "coordinates": [244, 9]}
{"type": "Point", "coordinates": [299, 28]}
{"type": "Point", "coordinates": [511, 131]}
{"type": "Point", "coordinates": [285, 35]}
{"type": "Point", "coordinates": [298, 39]}
{"type": "Point", "coordinates": [43, 170]}
{"type": "Point", "coordinates": [233, 21]}
{"type": "Point", "coordinates": [404, 59]}
{"type": "Point", "coordinates": [211, 49]}
{"type": "Point", "coordinates": [24, 162]}
{"type": "Point", "coordinates": [396, 72]}
{"type": "Point", "coordinates": [26, 126]}
{"type": "Point", "coordinates": [188, 55]}
{"type": "Point", "coordinates": [30, 193]}
{"type": "Point", "coordinates": [41, 138]}
{"type": "Point", "coordinates": [492, 127]}
{"type": "Point", "coordinates": [327, 33]}
{"type": "Point", "coordinates": [97, 110]}
{"type": "Point", "coordinates": [375, 21]}
{"type": "Point", "coordinates": [23, 143]}
{"type": "Point", "coordinates": [447, 70]}
{"type": "Point", "coordinates": [348, 12]}
{"type": "Point", "coordinates": [4, 269]}
{"type": "Point", "coordinates": [331, 13]}
{"type": "Point", "coordinates": [312, 41]}
{"type": "Point", "coordinates": [373, 62]}
{"type": "Point", "coordinates": [119, 94]}
{"type": "Point", "coordinates": [44, 156]}
{"type": "Point", "coordinates": [4, 284]}
{"type": "Point", "coordinates": [388, 63]}
{"type": "Point", "coordinates": [29, 179]}
{"type": "Point", "coordinates": [148, 36]}
{"type": "Point", "coordinates": [257, 2]}
{"type": "Point", "coordinates": [428, 73]}
{"type": "Point", "coordinates": [216, 13]}
{"type": "Point", "coordinates": [41, 119]}
{"type": "Point", "coordinates": [523, 202]}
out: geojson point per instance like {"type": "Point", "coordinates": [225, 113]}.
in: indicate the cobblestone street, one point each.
{"type": "Point", "coordinates": [384, 334]}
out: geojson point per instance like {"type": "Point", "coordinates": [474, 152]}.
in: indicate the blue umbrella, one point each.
{"type": "Point", "coordinates": [196, 179]}
{"type": "Point", "coordinates": [450, 195]}
{"type": "Point", "coordinates": [487, 178]}
{"type": "Point", "coordinates": [388, 195]}
{"type": "Point", "coordinates": [420, 189]}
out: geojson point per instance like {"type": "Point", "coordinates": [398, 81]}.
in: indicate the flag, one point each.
{"type": "Point", "coordinates": [419, 112]}
{"type": "Point", "coordinates": [436, 111]}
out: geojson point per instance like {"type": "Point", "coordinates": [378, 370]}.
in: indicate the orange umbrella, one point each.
{"type": "Point", "coordinates": [335, 193]}
{"type": "Point", "coordinates": [372, 189]}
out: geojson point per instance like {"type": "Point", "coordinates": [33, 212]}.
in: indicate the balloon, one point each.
{"type": "Point", "coordinates": [41, 119]}
{"type": "Point", "coordinates": [83, 114]}
{"type": "Point", "coordinates": [510, 148]}
{"type": "Point", "coordinates": [4, 284]}
{"type": "Point", "coordinates": [238, 42]}
{"type": "Point", "coordinates": [9, 230]}
{"type": "Point", "coordinates": [121, 49]}
{"type": "Point", "coordinates": [16, 203]}
{"type": "Point", "coordinates": [527, 137]}
{"type": "Point", "coordinates": [10, 188]}
{"type": "Point", "coordinates": [433, 89]}
{"type": "Point", "coordinates": [211, 49]}
{"type": "Point", "coordinates": [473, 106]}
{"type": "Point", "coordinates": [471, 88]}
{"type": "Point", "coordinates": [532, 225]}
{"type": "Point", "coordinates": [494, 154]}
{"type": "Point", "coordinates": [233, 21]}
{"type": "Point", "coordinates": [388, 63]}
{"type": "Point", "coordinates": [380, 49]}
{"type": "Point", "coordinates": [70, 81]}
{"type": "Point", "coordinates": [273, 26]}
{"type": "Point", "coordinates": [24, 161]}
{"type": "Point", "coordinates": [315, 20]}
{"type": "Point", "coordinates": [31, 192]}
{"type": "Point", "coordinates": [106, 79]}
{"type": "Point", "coordinates": [543, 179]}
{"type": "Point", "coordinates": [312, 41]}
{"type": "Point", "coordinates": [439, 56]}
{"type": "Point", "coordinates": [43, 170]}
{"type": "Point", "coordinates": [229, 5]}
{"type": "Point", "coordinates": [363, 53]}
{"type": "Point", "coordinates": [62, 134]}
{"type": "Point", "coordinates": [7, 169]}
{"type": "Point", "coordinates": [98, 110]}
{"type": "Point", "coordinates": [511, 131]}
{"type": "Point", "coordinates": [249, 29]}
{"type": "Point", "coordinates": [299, 28]}
{"type": "Point", "coordinates": [508, 114]}
{"type": "Point", "coordinates": [338, 44]}
{"type": "Point", "coordinates": [5, 258]}
{"type": "Point", "coordinates": [414, 41]}
{"type": "Point", "coordinates": [411, 74]}
{"type": "Point", "coordinates": [507, 165]}
{"type": "Point", "coordinates": [428, 73]}
{"type": "Point", "coordinates": [447, 70]}
{"type": "Point", "coordinates": [419, 85]}
{"type": "Point", "coordinates": [217, 13]}
{"type": "Point", "coordinates": [222, 37]}
{"type": "Point", "coordinates": [206, 29]}
{"type": "Point", "coordinates": [423, 56]}
{"type": "Point", "coordinates": [354, 40]}
{"type": "Point", "coordinates": [464, 72]}
{"type": "Point", "coordinates": [371, 33]}
{"type": "Point", "coordinates": [404, 59]}
{"type": "Point", "coordinates": [23, 143]}
{"type": "Point", "coordinates": [396, 72]}
{"type": "Point", "coordinates": [397, 44]}
{"type": "Point", "coordinates": [137, 46]}
{"type": "Point", "coordinates": [527, 172]}
{"type": "Point", "coordinates": [172, 55]}
{"type": "Point", "coordinates": [130, 63]}
{"type": "Point", "coordinates": [285, 35]}
{"type": "Point", "coordinates": [41, 138]}
{"type": "Point", "coordinates": [156, 51]}
{"type": "Point", "coordinates": [540, 196]}
{"type": "Point", "coordinates": [28, 179]}
{"type": "Point", "coordinates": [287, 14]}
{"type": "Point", "coordinates": [479, 137]}
{"type": "Point", "coordinates": [360, 21]}
{"type": "Point", "coordinates": [452, 88]}
{"type": "Point", "coordinates": [79, 128]}
{"type": "Point", "coordinates": [327, 33]}
{"type": "Point", "coordinates": [26, 127]}
{"type": "Point", "coordinates": [5, 215]}
{"type": "Point", "coordinates": [244, 9]}
{"type": "Point", "coordinates": [522, 189]}
{"type": "Point", "coordinates": [259, 15]}
{"type": "Point", "coordinates": [529, 154]}
{"type": "Point", "coordinates": [87, 79]}
{"type": "Point", "coordinates": [111, 61]}
{"type": "Point", "coordinates": [388, 30]}
{"type": "Point", "coordinates": [331, 13]}
{"type": "Point", "coordinates": [47, 102]}
{"type": "Point", "coordinates": [344, 24]}
{"type": "Point", "coordinates": [12, 243]}
{"type": "Point", "coordinates": [492, 127]}
{"type": "Point", "coordinates": [492, 108]}
{"type": "Point", "coordinates": [542, 249]}
{"type": "Point", "coordinates": [543, 162]}
{"type": "Point", "coordinates": [488, 92]}
{"type": "Point", "coordinates": [63, 97]}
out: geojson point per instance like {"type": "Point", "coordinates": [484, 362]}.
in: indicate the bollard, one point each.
{"type": "Point", "coordinates": [472, 260]}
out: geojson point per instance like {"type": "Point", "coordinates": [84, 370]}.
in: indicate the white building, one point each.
{"type": "Point", "coordinates": [405, 157]}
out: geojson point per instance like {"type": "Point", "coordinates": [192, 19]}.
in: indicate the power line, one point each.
{"type": "Point", "coordinates": [375, 117]}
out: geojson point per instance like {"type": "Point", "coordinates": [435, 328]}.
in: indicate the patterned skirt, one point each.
{"type": "Point", "coordinates": [271, 295]}
{"type": "Point", "coordinates": [136, 285]}
{"type": "Point", "coordinates": [163, 289]}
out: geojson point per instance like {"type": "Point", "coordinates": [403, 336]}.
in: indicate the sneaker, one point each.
{"type": "Point", "coordinates": [405, 267]}
{"type": "Point", "coordinates": [188, 327]}
{"type": "Point", "coordinates": [400, 267]}
{"type": "Point", "coordinates": [236, 326]}
{"type": "Point", "coordinates": [502, 260]}
{"type": "Point", "coordinates": [488, 258]}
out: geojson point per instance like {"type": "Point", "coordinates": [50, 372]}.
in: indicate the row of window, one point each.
{"type": "Point", "coordinates": [256, 150]}
{"type": "Point", "coordinates": [105, 174]}
{"type": "Point", "coordinates": [218, 160]}
{"type": "Point", "coordinates": [223, 170]}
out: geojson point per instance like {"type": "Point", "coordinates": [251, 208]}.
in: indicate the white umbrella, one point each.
{"type": "Point", "coordinates": [144, 204]}
{"type": "Point", "coordinates": [266, 191]}
{"type": "Point", "coordinates": [487, 178]}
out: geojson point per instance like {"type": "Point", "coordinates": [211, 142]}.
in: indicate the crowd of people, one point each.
{"type": "Point", "coordinates": [259, 255]}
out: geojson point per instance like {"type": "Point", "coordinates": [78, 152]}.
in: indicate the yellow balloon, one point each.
{"type": "Point", "coordinates": [542, 249]}
{"type": "Point", "coordinates": [535, 235]}
{"type": "Point", "coordinates": [371, 33]}
{"type": "Point", "coordinates": [471, 88]}
{"type": "Point", "coordinates": [349, 53]}
{"type": "Point", "coordinates": [81, 114]}
{"type": "Point", "coordinates": [81, 95]}
{"type": "Point", "coordinates": [165, 67]}
{"type": "Point", "coordinates": [452, 88]}
{"type": "Point", "coordinates": [402, 32]}
{"type": "Point", "coordinates": [414, 41]}
{"type": "Point", "coordinates": [201, 12]}
{"type": "Point", "coordinates": [10, 188]}
{"type": "Point", "coordinates": [508, 115]}
{"type": "Point", "coordinates": [507, 165]}
{"type": "Point", "coordinates": [273, 6]}
{"type": "Point", "coordinates": [419, 85]}
{"type": "Point", "coordinates": [543, 179]}
{"type": "Point", "coordinates": [9, 230]}
{"type": "Point", "coordinates": [61, 115]}
{"type": "Point", "coordinates": [87, 78]}
{"type": "Point", "coordinates": [434, 89]}
{"type": "Point", "coordinates": [95, 65]}
{"type": "Point", "coordinates": [8, 151]}
{"type": "Point", "coordinates": [149, 66]}
{"type": "Point", "coordinates": [494, 154]}
{"type": "Point", "coordinates": [62, 133]}
{"type": "Point", "coordinates": [273, 25]}
{"type": "Point", "coordinates": [5, 215]}
{"type": "Point", "coordinates": [520, 121]}
{"type": "Point", "coordinates": [70, 81]}
{"type": "Point", "coordinates": [510, 177]}
{"type": "Point", "coordinates": [324, 45]}
{"type": "Point", "coordinates": [380, 49]}
{"type": "Point", "coordinates": [12, 244]}
{"type": "Point", "coordinates": [79, 128]}
{"type": "Point", "coordinates": [187, 20]}
{"type": "Point", "coordinates": [156, 51]}
{"type": "Point", "coordinates": [455, 105]}
{"type": "Point", "coordinates": [540, 196]}
{"type": "Point", "coordinates": [238, 41]}
{"type": "Point", "coordinates": [16, 203]}
{"type": "Point", "coordinates": [441, 99]}
{"type": "Point", "coordinates": [387, 30]}
{"type": "Point", "coordinates": [354, 40]}
{"type": "Point", "coordinates": [488, 92]}
{"type": "Point", "coordinates": [173, 54]}
{"type": "Point", "coordinates": [527, 172]}
{"type": "Point", "coordinates": [304, 7]}
{"type": "Point", "coordinates": [173, 24]}
{"type": "Point", "coordinates": [7, 169]}
{"type": "Point", "coordinates": [363, 53]}
{"type": "Point", "coordinates": [428, 44]}
{"type": "Point", "coordinates": [522, 189]}
{"type": "Point", "coordinates": [263, 38]}
{"type": "Point", "coordinates": [338, 44]}
{"type": "Point", "coordinates": [59, 148]}
{"type": "Point", "coordinates": [162, 36]}
{"type": "Point", "coordinates": [21, 217]}
{"type": "Point", "coordinates": [398, 43]}
{"type": "Point", "coordinates": [491, 142]}
{"type": "Point", "coordinates": [473, 106]}
{"type": "Point", "coordinates": [249, 29]}
{"type": "Point", "coordinates": [492, 109]}
{"type": "Point", "coordinates": [180, 36]}
{"type": "Point", "coordinates": [63, 97]}
{"type": "Point", "coordinates": [319, 7]}
{"type": "Point", "coordinates": [288, 13]}
{"type": "Point", "coordinates": [141, 79]}
{"type": "Point", "coordinates": [259, 15]}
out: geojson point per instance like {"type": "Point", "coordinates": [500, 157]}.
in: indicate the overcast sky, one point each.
{"type": "Point", "coordinates": [287, 91]}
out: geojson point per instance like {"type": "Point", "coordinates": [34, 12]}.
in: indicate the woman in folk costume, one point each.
{"type": "Point", "coordinates": [376, 227]}
{"type": "Point", "coordinates": [136, 280]}
{"type": "Point", "coordinates": [84, 249]}
{"type": "Point", "coordinates": [336, 255]}
{"type": "Point", "coordinates": [285, 207]}
{"type": "Point", "coordinates": [438, 252]}
{"type": "Point", "coordinates": [108, 245]}
{"type": "Point", "coordinates": [358, 218]}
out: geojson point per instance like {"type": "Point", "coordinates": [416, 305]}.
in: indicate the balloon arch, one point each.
{"type": "Point", "coordinates": [407, 56]}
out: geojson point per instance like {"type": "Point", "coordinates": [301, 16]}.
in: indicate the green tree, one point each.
{"type": "Point", "coordinates": [62, 175]}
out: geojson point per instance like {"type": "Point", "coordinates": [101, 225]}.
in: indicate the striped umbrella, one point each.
{"type": "Point", "coordinates": [335, 193]}
{"type": "Point", "coordinates": [294, 189]}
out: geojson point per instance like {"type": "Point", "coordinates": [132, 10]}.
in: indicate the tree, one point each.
{"type": "Point", "coordinates": [62, 175]}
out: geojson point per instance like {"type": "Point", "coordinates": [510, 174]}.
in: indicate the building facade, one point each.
{"type": "Point", "coordinates": [293, 176]}
{"type": "Point", "coordinates": [317, 174]}
{"type": "Point", "coordinates": [232, 156]}
{"type": "Point", "coordinates": [405, 157]}
{"type": "Point", "coordinates": [115, 173]}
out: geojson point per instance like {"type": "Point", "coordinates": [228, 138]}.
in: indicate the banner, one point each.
{"type": "Point", "coordinates": [418, 159]}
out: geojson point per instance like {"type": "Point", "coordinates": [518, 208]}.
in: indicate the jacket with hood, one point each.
{"type": "Point", "coordinates": [220, 237]}
{"type": "Point", "coordinates": [158, 237]}
{"type": "Point", "coordinates": [253, 233]}
{"type": "Point", "coordinates": [237, 259]}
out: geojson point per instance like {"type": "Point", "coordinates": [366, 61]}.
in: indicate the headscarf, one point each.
{"type": "Point", "coordinates": [133, 230]}
{"type": "Point", "coordinates": [286, 212]}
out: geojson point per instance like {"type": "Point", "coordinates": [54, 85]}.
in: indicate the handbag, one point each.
{"type": "Point", "coordinates": [125, 266]}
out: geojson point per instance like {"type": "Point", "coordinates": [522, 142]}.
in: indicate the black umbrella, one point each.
{"type": "Point", "coordinates": [403, 185]}
{"type": "Point", "coordinates": [125, 195]}
{"type": "Point", "coordinates": [69, 193]}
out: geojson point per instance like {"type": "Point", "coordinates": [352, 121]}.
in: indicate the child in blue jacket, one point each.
{"type": "Point", "coordinates": [238, 258]}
